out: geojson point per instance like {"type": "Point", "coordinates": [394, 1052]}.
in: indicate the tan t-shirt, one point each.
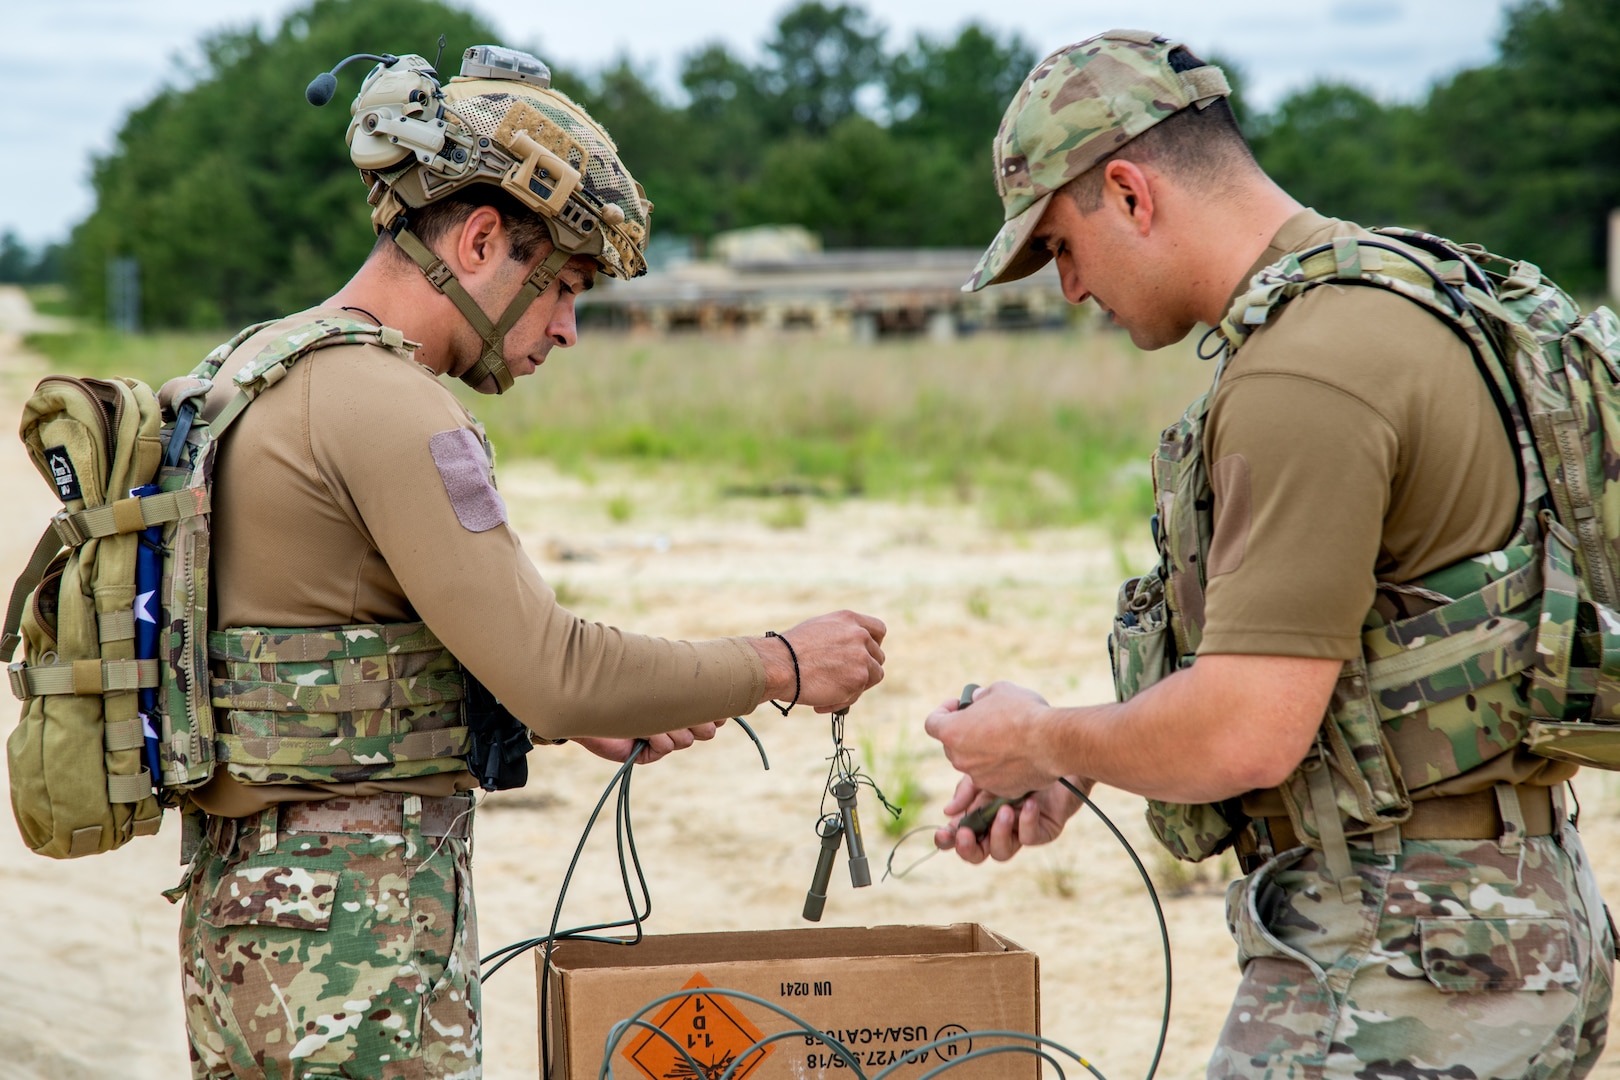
{"type": "Point", "coordinates": [354, 491]}
{"type": "Point", "coordinates": [1352, 440]}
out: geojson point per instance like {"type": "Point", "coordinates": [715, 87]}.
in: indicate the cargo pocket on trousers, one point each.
{"type": "Point", "coordinates": [1252, 903]}
{"type": "Point", "coordinates": [450, 1030]}
{"type": "Point", "coordinates": [289, 897]}
{"type": "Point", "coordinates": [1471, 956]}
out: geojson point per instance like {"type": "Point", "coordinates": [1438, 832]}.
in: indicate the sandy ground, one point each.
{"type": "Point", "coordinates": [88, 960]}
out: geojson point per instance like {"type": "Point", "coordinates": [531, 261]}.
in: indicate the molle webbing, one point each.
{"type": "Point", "coordinates": [83, 677]}
{"type": "Point", "coordinates": [1461, 647]}
{"type": "Point", "coordinates": [344, 704]}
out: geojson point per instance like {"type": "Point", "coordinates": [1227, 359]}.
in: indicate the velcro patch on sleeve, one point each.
{"type": "Point", "coordinates": [464, 468]}
{"type": "Point", "coordinates": [1234, 513]}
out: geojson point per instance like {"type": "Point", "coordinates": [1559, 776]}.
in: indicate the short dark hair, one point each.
{"type": "Point", "coordinates": [1202, 147]}
{"type": "Point", "coordinates": [437, 219]}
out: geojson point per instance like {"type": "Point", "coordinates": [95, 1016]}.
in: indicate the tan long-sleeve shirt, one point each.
{"type": "Point", "coordinates": [356, 491]}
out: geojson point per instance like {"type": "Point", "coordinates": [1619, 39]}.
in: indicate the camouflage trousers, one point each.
{"type": "Point", "coordinates": [311, 955]}
{"type": "Point", "coordinates": [1465, 960]}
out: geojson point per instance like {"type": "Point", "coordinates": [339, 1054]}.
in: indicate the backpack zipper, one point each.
{"type": "Point", "coordinates": [106, 414]}
{"type": "Point", "coordinates": [53, 578]}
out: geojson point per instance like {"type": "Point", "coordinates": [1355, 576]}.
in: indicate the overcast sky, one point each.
{"type": "Point", "coordinates": [78, 66]}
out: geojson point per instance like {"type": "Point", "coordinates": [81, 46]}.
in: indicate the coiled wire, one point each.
{"type": "Point", "coordinates": [1045, 1049]}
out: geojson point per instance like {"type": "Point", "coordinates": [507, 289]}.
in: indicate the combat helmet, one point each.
{"type": "Point", "coordinates": [499, 122]}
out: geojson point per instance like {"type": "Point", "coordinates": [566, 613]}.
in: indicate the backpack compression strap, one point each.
{"type": "Point", "coordinates": [70, 530]}
{"type": "Point", "coordinates": [44, 551]}
{"type": "Point", "coordinates": [492, 364]}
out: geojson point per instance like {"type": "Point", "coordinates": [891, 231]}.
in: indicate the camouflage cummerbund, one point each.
{"type": "Point", "coordinates": [336, 705]}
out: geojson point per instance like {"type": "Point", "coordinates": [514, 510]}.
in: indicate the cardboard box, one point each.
{"type": "Point", "coordinates": [882, 991]}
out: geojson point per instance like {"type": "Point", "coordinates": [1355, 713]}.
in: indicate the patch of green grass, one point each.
{"type": "Point", "coordinates": [790, 513]}
{"type": "Point", "coordinates": [1037, 429]}
{"type": "Point", "coordinates": [1057, 878]}
{"type": "Point", "coordinates": [1176, 878]}
{"type": "Point", "coordinates": [50, 300]}
{"type": "Point", "coordinates": [620, 509]}
{"type": "Point", "coordinates": [978, 602]}
{"type": "Point", "coordinates": [900, 785]}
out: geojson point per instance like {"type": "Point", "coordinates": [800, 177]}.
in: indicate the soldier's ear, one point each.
{"type": "Point", "coordinates": [1126, 186]}
{"type": "Point", "coordinates": [482, 239]}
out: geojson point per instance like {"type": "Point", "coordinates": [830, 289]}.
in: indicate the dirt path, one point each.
{"type": "Point", "coordinates": [88, 967]}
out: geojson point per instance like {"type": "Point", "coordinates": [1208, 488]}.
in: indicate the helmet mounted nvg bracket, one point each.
{"type": "Point", "coordinates": [416, 141]}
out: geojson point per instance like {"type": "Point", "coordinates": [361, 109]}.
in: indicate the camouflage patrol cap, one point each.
{"type": "Point", "coordinates": [1076, 107]}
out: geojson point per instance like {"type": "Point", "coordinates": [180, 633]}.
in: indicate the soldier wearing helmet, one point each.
{"type": "Point", "coordinates": [382, 645]}
{"type": "Point", "coordinates": [1417, 901]}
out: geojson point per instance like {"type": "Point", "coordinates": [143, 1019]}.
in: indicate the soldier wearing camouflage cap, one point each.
{"type": "Point", "coordinates": [1349, 549]}
{"type": "Point", "coordinates": [372, 606]}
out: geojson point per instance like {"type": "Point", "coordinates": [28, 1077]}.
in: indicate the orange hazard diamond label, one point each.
{"type": "Point", "coordinates": [711, 1030]}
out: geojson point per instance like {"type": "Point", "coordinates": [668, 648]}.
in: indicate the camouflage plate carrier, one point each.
{"type": "Point", "coordinates": [1517, 647]}
{"type": "Point", "coordinates": [333, 704]}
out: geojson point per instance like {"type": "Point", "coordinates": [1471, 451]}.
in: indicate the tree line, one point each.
{"type": "Point", "coordinates": [239, 201]}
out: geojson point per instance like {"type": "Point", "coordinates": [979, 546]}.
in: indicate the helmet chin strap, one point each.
{"type": "Point", "coordinates": [492, 364]}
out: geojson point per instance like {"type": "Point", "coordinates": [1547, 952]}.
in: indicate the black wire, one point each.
{"type": "Point", "coordinates": [508, 952]}
{"type": "Point", "coordinates": [841, 766]}
{"type": "Point", "coordinates": [1158, 911]}
{"type": "Point", "coordinates": [361, 311]}
{"type": "Point", "coordinates": [639, 913]}
{"type": "Point", "coordinates": [888, 867]}
{"type": "Point", "coordinates": [629, 857]}
{"type": "Point", "coordinates": [1153, 894]}
{"type": "Point", "coordinates": [1222, 347]}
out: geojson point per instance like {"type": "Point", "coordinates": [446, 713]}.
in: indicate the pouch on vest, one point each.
{"type": "Point", "coordinates": [497, 741]}
{"type": "Point", "coordinates": [1139, 647]}
{"type": "Point", "coordinates": [1353, 755]}
{"type": "Point", "coordinates": [81, 756]}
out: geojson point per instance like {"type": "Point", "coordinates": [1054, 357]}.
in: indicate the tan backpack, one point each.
{"type": "Point", "coordinates": [80, 783]}
{"type": "Point", "coordinates": [111, 734]}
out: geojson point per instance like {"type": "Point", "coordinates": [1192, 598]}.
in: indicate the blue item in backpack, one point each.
{"type": "Point", "coordinates": [148, 581]}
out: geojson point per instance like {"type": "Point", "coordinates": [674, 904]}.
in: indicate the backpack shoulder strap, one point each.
{"type": "Point", "coordinates": [277, 357]}
{"type": "Point", "coordinates": [1408, 268]}
{"type": "Point", "coordinates": [1437, 276]}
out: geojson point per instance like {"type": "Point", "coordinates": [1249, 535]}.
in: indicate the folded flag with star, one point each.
{"type": "Point", "coordinates": [148, 579]}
